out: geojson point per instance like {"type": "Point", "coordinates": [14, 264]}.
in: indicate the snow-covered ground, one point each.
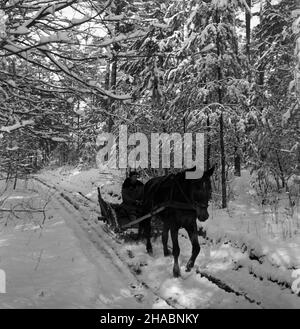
{"type": "Point", "coordinates": [246, 261]}
{"type": "Point", "coordinates": [51, 263]}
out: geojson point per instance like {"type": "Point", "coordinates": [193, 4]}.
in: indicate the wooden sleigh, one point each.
{"type": "Point", "coordinates": [109, 214]}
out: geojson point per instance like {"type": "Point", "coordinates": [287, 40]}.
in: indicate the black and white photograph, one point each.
{"type": "Point", "coordinates": [149, 158]}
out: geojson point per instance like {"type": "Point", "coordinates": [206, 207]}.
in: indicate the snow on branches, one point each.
{"type": "Point", "coordinates": [296, 31]}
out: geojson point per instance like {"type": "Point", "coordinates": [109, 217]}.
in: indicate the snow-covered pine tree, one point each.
{"type": "Point", "coordinates": [275, 135]}
{"type": "Point", "coordinates": [210, 80]}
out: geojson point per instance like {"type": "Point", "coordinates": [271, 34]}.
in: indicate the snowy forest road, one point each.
{"type": "Point", "coordinates": [70, 260]}
{"type": "Point", "coordinates": [52, 263]}
{"type": "Point", "coordinates": [108, 244]}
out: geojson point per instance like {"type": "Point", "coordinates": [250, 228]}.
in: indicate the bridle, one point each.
{"type": "Point", "coordinates": [193, 204]}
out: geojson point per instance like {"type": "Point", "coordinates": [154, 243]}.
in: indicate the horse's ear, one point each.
{"type": "Point", "coordinates": [210, 171]}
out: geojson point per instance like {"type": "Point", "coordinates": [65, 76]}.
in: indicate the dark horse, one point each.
{"type": "Point", "coordinates": [185, 200]}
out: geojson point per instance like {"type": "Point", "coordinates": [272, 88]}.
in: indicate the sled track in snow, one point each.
{"type": "Point", "coordinates": [224, 286]}
{"type": "Point", "coordinates": [105, 246]}
{"type": "Point", "coordinates": [252, 258]}
{"type": "Point", "coordinates": [227, 288]}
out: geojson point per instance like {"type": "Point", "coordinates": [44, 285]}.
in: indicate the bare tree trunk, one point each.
{"type": "Point", "coordinates": [8, 175]}
{"type": "Point", "coordinates": [261, 68]}
{"type": "Point", "coordinates": [108, 101]}
{"type": "Point", "coordinates": [248, 29]}
{"type": "Point", "coordinates": [78, 131]}
{"type": "Point", "coordinates": [237, 155]}
{"type": "Point", "coordinates": [208, 146]}
{"type": "Point", "coordinates": [113, 83]}
{"type": "Point", "coordinates": [16, 178]}
{"type": "Point", "coordinates": [221, 123]}
{"type": "Point", "coordinates": [237, 162]}
{"type": "Point", "coordinates": [223, 163]}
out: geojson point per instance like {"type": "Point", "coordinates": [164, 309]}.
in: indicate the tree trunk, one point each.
{"type": "Point", "coordinates": [108, 101]}
{"type": "Point", "coordinates": [8, 175]}
{"type": "Point", "coordinates": [237, 162]}
{"type": "Point", "coordinates": [16, 178]}
{"type": "Point", "coordinates": [208, 143]}
{"type": "Point", "coordinates": [223, 163]}
{"type": "Point", "coordinates": [237, 155]}
{"type": "Point", "coordinates": [261, 68]}
{"type": "Point", "coordinates": [221, 121]}
{"type": "Point", "coordinates": [248, 29]}
{"type": "Point", "coordinates": [78, 132]}
{"type": "Point", "coordinates": [113, 83]}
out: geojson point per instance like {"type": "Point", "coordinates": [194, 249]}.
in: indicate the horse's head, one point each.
{"type": "Point", "coordinates": [200, 193]}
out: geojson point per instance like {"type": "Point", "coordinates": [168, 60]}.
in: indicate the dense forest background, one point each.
{"type": "Point", "coordinates": [71, 69]}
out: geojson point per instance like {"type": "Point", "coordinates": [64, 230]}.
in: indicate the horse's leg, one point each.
{"type": "Point", "coordinates": [165, 236]}
{"type": "Point", "coordinates": [176, 250]}
{"type": "Point", "coordinates": [193, 235]}
{"type": "Point", "coordinates": [147, 233]}
{"type": "Point", "coordinates": [140, 232]}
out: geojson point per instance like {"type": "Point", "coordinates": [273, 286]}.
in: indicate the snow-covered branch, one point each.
{"type": "Point", "coordinates": [18, 125]}
{"type": "Point", "coordinates": [296, 31]}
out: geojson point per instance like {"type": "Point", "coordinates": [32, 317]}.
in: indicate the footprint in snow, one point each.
{"type": "Point", "coordinates": [139, 297]}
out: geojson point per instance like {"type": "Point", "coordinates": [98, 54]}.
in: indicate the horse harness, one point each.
{"type": "Point", "coordinates": [170, 204]}
{"type": "Point", "coordinates": [188, 205]}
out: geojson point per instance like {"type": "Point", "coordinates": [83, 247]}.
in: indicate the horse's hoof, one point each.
{"type": "Point", "coordinates": [150, 252]}
{"type": "Point", "coordinates": [102, 219]}
{"type": "Point", "coordinates": [176, 273]}
{"type": "Point", "coordinates": [189, 267]}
